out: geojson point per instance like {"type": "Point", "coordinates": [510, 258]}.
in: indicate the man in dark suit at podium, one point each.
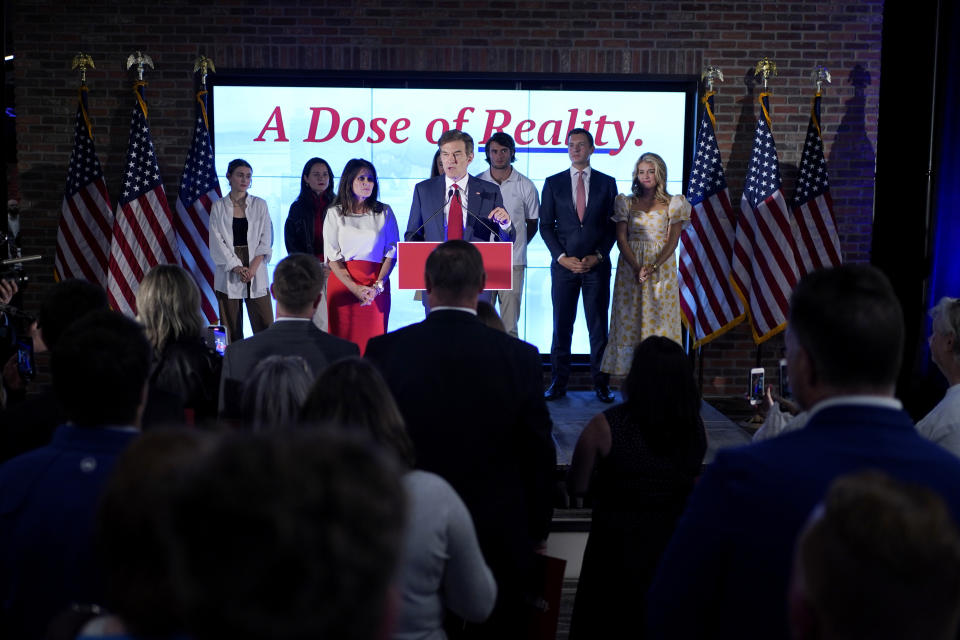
{"type": "Point", "coordinates": [576, 225]}
{"type": "Point", "coordinates": [455, 205]}
{"type": "Point", "coordinates": [472, 401]}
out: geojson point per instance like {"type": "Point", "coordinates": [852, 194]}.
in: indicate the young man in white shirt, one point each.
{"type": "Point", "coordinates": [522, 202]}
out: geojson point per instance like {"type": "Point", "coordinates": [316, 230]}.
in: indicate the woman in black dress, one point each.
{"type": "Point", "coordinates": [639, 460]}
{"type": "Point", "coordinates": [303, 230]}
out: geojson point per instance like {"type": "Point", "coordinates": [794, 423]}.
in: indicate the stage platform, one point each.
{"type": "Point", "coordinates": [572, 413]}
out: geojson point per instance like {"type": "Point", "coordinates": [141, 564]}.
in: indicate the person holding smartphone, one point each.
{"type": "Point", "coordinates": [183, 366]}
{"type": "Point", "coordinates": [241, 237]}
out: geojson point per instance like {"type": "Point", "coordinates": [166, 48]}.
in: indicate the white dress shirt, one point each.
{"type": "Point", "coordinates": [942, 424]}
{"type": "Point", "coordinates": [448, 198]}
{"type": "Point", "coordinates": [522, 202]}
{"type": "Point", "coordinates": [574, 178]}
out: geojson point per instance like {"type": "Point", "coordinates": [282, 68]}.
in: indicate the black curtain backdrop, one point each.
{"type": "Point", "coordinates": [912, 87]}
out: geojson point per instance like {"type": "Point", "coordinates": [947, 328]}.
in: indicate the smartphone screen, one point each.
{"type": "Point", "coordinates": [756, 386]}
{"type": "Point", "coordinates": [784, 381]}
{"type": "Point", "coordinates": [217, 338]}
{"type": "Point", "coordinates": [25, 366]}
{"type": "Point", "coordinates": [220, 340]}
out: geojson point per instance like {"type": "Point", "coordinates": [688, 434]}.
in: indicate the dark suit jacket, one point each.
{"type": "Point", "coordinates": [430, 196]}
{"type": "Point", "coordinates": [726, 571]}
{"type": "Point", "coordinates": [284, 338]}
{"type": "Point", "coordinates": [560, 225]}
{"type": "Point", "coordinates": [48, 506]}
{"type": "Point", "coordinates": [473, 403]}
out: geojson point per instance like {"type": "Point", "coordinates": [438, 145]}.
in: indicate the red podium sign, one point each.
{"type": "Point", "coordinates": [497, 262]}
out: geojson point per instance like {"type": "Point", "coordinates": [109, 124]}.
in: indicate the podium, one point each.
{"type": "Point", "coordinates": [497, 262]}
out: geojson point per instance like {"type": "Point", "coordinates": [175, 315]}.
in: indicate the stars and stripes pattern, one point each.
{"type": "Point", "coordinates": [817, 241]}
{"type": "Point", "coordinates": [764, 259]}
{"type": "Point", "coordinates": [143, 232]}
{"type": "Point", "coordinates": [86, 215]}
{"type": "Point", "coordinates": [707, 301]}
{"type": "Point", "coordinates": [199, 189]}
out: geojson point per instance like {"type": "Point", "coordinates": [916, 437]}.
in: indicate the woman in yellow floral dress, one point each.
{"type": "Point", "coordinates": [646, 298]}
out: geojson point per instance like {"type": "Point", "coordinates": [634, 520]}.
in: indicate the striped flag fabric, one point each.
{"type": "Point", "coordinates": [143, 232]}
{"type": "Point", "coordinates": [764, 257]}
{"type": "Point", "coordinates": [817, 241]}
{"type": "Point", "coordinates": [86, 215]}
{"type": "Point", "coordinates": [707, 301]}
{"type": "Point", "coordinates": [199, 189]}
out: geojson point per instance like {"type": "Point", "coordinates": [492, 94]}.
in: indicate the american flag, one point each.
{"type": "Point", "coordinates": [199, 189]}
{"type": "Point", "coordinates": [764, 259]}
{"type": "Point", "coordinates": [143, 234]}
{"type": "Point", "coordinates": [817, 240]}
{"type": "Point", "coordinates": [86, 216]}
{"type": "Point", "coordinates": [709, 305]}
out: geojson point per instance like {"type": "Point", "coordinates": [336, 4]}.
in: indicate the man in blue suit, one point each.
{"type": "Point", "coordinates": [482, 216]}
{"type": "Point", "coordinates": [458, 196]}
{"type": "Point", "coordinates": [725, 572]}
{"type": "Point", "coordinates": [576, 225]}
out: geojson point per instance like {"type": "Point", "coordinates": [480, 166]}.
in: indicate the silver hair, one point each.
{"type": "Point", "coordinates": [946, 321]}
{"type": "Point", "coordinates": [275, 391]}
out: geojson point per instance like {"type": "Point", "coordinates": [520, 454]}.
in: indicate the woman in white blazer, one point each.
{"type": "Point", "coordinates": [241, 236]}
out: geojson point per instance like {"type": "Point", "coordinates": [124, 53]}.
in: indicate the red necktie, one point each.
{"type": "Point", "coordinates": [581, 196]}
{"type": "Point", "coordinates": [455, 219]}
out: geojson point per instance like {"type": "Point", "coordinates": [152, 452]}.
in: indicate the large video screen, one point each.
{"type": "Point", "coordinates": [278, 128]}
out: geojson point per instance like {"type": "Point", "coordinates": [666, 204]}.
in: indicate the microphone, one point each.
{"type": "Point", "coordinates": [410, 236]}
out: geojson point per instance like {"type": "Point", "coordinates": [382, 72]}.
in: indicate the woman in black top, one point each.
{"type": "Point", "coordinates": [639, 460]}
{"type": "Point", "coordinates": [303, 230]}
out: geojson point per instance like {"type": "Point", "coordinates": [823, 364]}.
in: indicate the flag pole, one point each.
{"type": "Point", "coordinates": [765, 68]}
{"type": "Point", "coordinates": [711, 75]}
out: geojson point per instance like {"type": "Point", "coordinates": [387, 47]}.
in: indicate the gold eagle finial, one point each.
{"type": "Point", "coordinates": [82, 61]}
{"type": "Point", "coordinates": [765, 67]}
{"type": "Point", "coordinates": [139, 59]}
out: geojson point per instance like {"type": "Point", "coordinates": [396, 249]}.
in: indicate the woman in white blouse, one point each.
{"type": "Point", "coordinates": [241, 236]}
{"type": "Point", "coordinates": [360, 238]}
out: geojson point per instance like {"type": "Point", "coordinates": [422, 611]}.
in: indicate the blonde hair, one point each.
{"type": "Point", "coordinates": [168, 305]}
{"type": "Point", "coordinates": [660, 173]}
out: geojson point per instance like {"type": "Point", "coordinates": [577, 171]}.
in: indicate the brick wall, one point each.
{"type": "Point", "coordinates": [617, 37]}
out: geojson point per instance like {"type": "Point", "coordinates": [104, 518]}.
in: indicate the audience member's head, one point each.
{"type": "Point", "coordinates": [488, 315]}
{"type": "Point", "coordinates": [297, 284]}
{"type": "Point", "coordinates": [289, 535]}
{"type": "Point", "coordinates": [945, 337]}
{"type": "Point", "coordinates": [878, 560]}
{"type": "Point", "coordinates": [275, 391]}
{"type": "Point", "coordinates": [454, 275]}
{"type": "Point", "coordinates": [67, 302]}
{"type": "Point", "coordinates": [352, 393]}
{"type": "Point", "coordinates": [132, 529]}
{"type": "Point", "coordinates": [845, 334]}
{"type": "Point", "coordinates": [661, 393]}
{"type": "Point", "coordinates": [100, 367]}
{"type": "Point", "coordinates": [168, 305]}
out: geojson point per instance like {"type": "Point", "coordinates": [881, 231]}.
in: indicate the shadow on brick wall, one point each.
{"type": "Point", "coordinates": [852, 167]}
